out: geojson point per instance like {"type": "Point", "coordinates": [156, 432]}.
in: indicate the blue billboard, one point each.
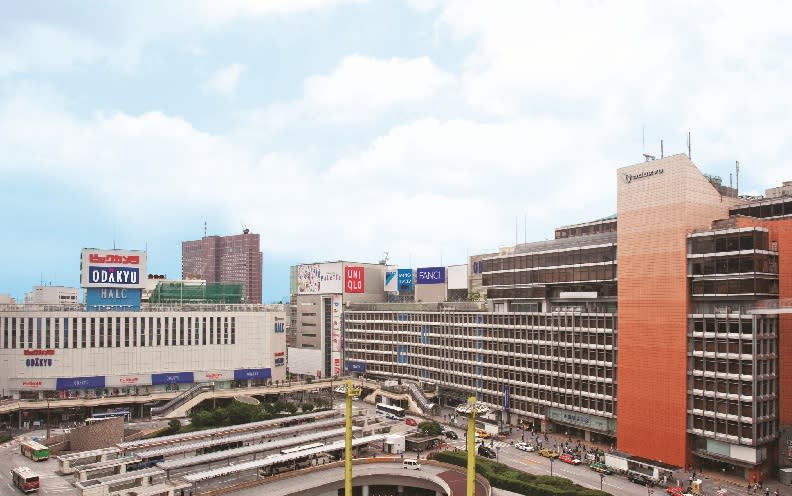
{"type": "Point", "coordinates": [172, 378]}
{"type": "Point", "coordinates": [430, 275]}
{"type": "Point", "coordinates": [243, 374]}
{"type": "Point", "coordinates": [113, 299]}
{"type": "Point", "coordinates": [405, 280]}
{"type": "Point", "coordinates": [95, 382]}
{"type": "Point", "coordinates": [356, 366]}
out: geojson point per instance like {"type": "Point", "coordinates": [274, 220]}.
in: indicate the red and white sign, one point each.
{"type": "Point", "coordinates": [353, 279]}
{"type": "Point", "coordinates": [39, 352]}
{"type": "Point", "coordinates": [32, 384]}
{"type": "Point", "coordinates": [97, 258]}
{"type": "Point", "coordinates": [131, 380]}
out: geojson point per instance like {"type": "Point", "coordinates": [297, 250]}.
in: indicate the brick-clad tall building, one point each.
{"type": "Point", "coordinates": [226, 259]}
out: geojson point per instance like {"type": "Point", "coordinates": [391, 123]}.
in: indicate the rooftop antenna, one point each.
{"type": "Point", "coordinates": [730, 179]}
{"type": "Point", "coordinates": [643, 140]}
{"type": "Point", "coordinates": [690, 157]}
{"type": "Point", "coordinates": [204, 228]}
{"type": "Point", "coordinates": [648, 157]}
{"type": "Point", "coordinates": [661, 148]}
{"type": "Point", "coordinates": [516, 226]}
{"type": "Point", "coordinates": [525, 227]}
{"type": "Point", "coordinates": [738, 176]}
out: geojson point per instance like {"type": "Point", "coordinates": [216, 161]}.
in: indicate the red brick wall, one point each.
{"type": "Point", "coordinates": [780, 231]}
{"type": "Point", "coordinates": [99, 435]}
{"type": "Point", "coordinates": [655, 214]}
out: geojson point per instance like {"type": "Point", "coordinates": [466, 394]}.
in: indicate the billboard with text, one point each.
{"type": "Point", "coordinates": [320, 278]}
{"type": "Point", "coordinates": [354, 277]}
{"type": "Point", "coordinates": [430, 275]}
{"type": "Point", "coordinates": [112, 268]}
{"type": "Point", "coordinates": [405, 280]}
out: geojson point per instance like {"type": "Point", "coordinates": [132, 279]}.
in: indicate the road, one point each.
{"type": "Point", "coordinates": [51, 483]}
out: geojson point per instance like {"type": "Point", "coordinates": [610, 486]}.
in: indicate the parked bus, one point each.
{"type": "Point", "coordinates": [391, 411]}
{"type": "Point", "coordinates": [96, 417]}
{"type": "Point", "coordinates": [25, 479]}
{"type": "Point", "coordinates": [33, 450]}
{"type": "Point", "coordinates": [301, 448]}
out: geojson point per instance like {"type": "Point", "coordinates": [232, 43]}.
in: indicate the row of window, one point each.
{"type": "Point", "coordinates": [550, 276]}
{"type": "Point", "coordinates": [512, 325]}
{"type": "Point", "coordinates": [750, 286]}
{"type": "Point", "coordinates": [743, 264]}
{"type": "Point", "coordinates": [115, 332]}
{"type": "Point", "coordinates": [585, 255]}
{"type": "Point", "coordinates": [729, 242]}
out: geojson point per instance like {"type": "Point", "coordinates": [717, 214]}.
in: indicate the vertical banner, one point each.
{"type": "Point", "coordinates": [353, 279]}
{"type": "Point", "coordinates": [335, 330]}
{"type": "Point", "coordinates": [506, 398]}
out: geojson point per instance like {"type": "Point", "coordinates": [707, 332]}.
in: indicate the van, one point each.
{"type": "Point", "coordinates": [411, 464]}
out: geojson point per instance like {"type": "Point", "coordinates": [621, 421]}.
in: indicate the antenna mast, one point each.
{"type": "Point", "coordinates": [204, 228]}
{"type": "Point", "coordinates": [661, 148]}
{"type": "Point", "coordinates": [690, 157]}
{"type": "Point", "coordinates": [738, 177]}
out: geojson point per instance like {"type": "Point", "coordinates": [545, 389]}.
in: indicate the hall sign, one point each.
{"type": "Point", "coordinates": [628, 178]}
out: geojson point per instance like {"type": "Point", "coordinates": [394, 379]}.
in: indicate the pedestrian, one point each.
{"type": "Point", "coordinates": [767, 491]}
{"type": "Point", "coordinates": [775, 493]}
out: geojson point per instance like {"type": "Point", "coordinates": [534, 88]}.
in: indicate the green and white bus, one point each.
{"type": "Point", "coordinates": [35, 451]}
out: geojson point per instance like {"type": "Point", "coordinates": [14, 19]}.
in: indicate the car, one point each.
{"type": "Point", "coordinates": [641, 479]}
{"type": "Point", "coordinates": [451, 435]}
{"type": "Point", "coordinates": [601, 468]}
{"type": "Point", "coordinates": [566, 458]}
{"type": "Point", "coordinates": [486, 451]}
{"type": "Point", "coordinates": [548, 453]}
{"type": "Point", "coordinates": [524, 447]}
{"type": "Point", "coordinates": [675, 490]}
{"type": "Point", "coordinates": [410, 421]}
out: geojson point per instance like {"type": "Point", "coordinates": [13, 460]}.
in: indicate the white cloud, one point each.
{"type": "Point", "coordinates": [363, 84]}
{"type": "Point", "coordinates": [224, 81]}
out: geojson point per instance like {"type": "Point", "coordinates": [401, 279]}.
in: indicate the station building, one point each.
{"type": "Point", "coordinates": [660, 330]}
{"type": "Point", "coordinates": [114, 346]}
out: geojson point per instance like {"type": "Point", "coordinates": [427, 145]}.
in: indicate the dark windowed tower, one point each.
{"type": "Point", "coordinates": [227, 259]}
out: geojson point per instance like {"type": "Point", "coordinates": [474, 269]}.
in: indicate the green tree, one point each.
{"type": "Point", "coordinates": [307, 407]}
{"type": "Point", "coordinates": [174, 426]}
{"type": "Point", "coordinates": [430, 428]}
{"type": "Point", "coordinates": [201, 419]}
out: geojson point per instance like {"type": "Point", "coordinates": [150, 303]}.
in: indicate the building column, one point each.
{"type": "Point", "coordinates": [587, 436]}
{"type": "Point", "coordinates": [364, 490]}
{"type": "Point", "coordinates": [400, 490]}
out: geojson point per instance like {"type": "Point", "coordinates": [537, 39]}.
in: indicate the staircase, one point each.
{"type": "Point", "coordinates": [162, 411]}
{"type": "Point", "coordinates": [424, 403]}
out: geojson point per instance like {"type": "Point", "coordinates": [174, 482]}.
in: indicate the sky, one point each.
{"type": "Point", "coordinates": [340, 130]}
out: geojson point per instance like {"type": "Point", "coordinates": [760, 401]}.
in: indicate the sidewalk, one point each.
{"type": "Point", "coordinates": [711, 480]}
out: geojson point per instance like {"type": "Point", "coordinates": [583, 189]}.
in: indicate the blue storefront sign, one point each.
{"type": "Point", "coordinates": [244, 374]}
{"type": "Point", "coordinates": [356, 366]}
{"type": "Point", "coordinates": [506, 398]}
{"type": "Point", "coordinates": [405, 280]}
{"type": "Point", "coordinates": [95, 382]}
{"type": "Point", "coordinates": [121, 276]}
{"type": "Point", "coordinates": [172, 378]}
{"type": "Point", "coordinates": [430, 275]}
{"type": "Point", "coordinates": [97, 299]}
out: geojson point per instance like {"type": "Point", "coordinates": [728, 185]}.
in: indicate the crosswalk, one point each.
{"type": "Point", "coordinates": [460, 444]}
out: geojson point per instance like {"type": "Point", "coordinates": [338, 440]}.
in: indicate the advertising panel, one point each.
{"type": "Point", "coordinates": [457, 277]}
{"type": "Point", "coordinates": [112, 268]}
{"type": "Point", "coordinates": [28, 384]}
{"type": "Point", "coordinates": [319, 278]}
{"type": "Point", "coordinates": [356, 366]}
{"type": "Point", "coordinates": [128, 380]}
{"type": "Point", "coordinates": [336, 365]}
{"type": "Point", "coordinates": [335, 330]}
{"type": "Point", "coordinates": [279, 358]}
{"type": "Point", "coordinates": [354, 276]}
{"type": "Point", "coordinates": [391, 279]}
{"type": "Point", "coordinates": [97, 299]}
{"type": "Point", "coordinates": [95, 382]}
{"type": "Point", "coordinates": [214, 375]}
{"type": "Point", "coordinates": [405, 280]}
{"type": "Point", "coordinates": [172, 378]}
{"type": "Point", "coordinates": [244, 374]}
{"type": "Point", "coordinates": [430, 275]}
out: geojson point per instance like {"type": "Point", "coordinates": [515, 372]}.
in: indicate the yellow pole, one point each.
{"type": "Point", "coordinates": [471, 448]}
{"type": "Point", "coordinates": [348, 441]}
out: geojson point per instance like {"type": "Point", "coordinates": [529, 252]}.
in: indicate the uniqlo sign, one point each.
{"type": "Point", "coordinates": [353, 279]}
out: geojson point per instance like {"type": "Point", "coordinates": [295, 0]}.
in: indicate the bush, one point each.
{"type": "Point", "coordinates": [504, 477]}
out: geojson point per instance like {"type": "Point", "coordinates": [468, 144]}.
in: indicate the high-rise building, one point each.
{"type": "Point", "coordinates": [226, 259]}
{"type": "Point", "coordinates": [664, 330]}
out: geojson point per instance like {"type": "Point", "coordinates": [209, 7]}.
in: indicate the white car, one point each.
{"type": "Point", "coordinates": [524, 447]}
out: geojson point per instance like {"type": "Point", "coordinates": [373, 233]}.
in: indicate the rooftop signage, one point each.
{"type": "Point", "coordinates": [628, 178]}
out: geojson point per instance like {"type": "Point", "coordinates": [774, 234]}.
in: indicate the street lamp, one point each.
{"type": "Point", "coordinates": [551, 466]}
{"type": "Point", "coordinates": [497, 453]}
{"type": "Point", "coordinates": [602, 478]}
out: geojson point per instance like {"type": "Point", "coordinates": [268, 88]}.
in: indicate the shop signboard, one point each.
{"type": "Point", "coordinates": [320, 278]}
{"type": "Point", "coordinates": [244, 374]}
{"type": "Point", "coordinates": [405, 280]}
{"type": "Point", "coordinates": [172, 378]}
{"type": "Point", "coordinates": [112, 268]}
{"type": "Point", "coordinates": [93, 382]}
{"type": "Point", "coordinates": [430, 275]}
{"type": "Point", "coordinates": [356, 366]}
{"type": "Point", "coordinates": [354, 279]}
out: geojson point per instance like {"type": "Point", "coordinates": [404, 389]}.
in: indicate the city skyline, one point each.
{"type": "Point", "coordinates": [341, 130]}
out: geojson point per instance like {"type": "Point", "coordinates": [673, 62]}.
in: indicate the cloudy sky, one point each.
{"type": "Point", "coordinates": [344, 129]}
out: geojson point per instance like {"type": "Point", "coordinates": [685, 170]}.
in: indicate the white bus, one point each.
{"type": "Point", "coordinates": [391, 411]}
{"type": "Point", "coordinates": [25, 479]}
{"type": "Point", "coordinates": [301, 448]}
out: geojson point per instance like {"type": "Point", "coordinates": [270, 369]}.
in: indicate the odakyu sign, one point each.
{"type": "Point", "coordinates": [244, 374]}
{"type": "Point", "coordinates": [112, 268]}
{"type": "Point", "coordinates": [93, 382]}
{"type": "Point", "coordinates": [172, 378]}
